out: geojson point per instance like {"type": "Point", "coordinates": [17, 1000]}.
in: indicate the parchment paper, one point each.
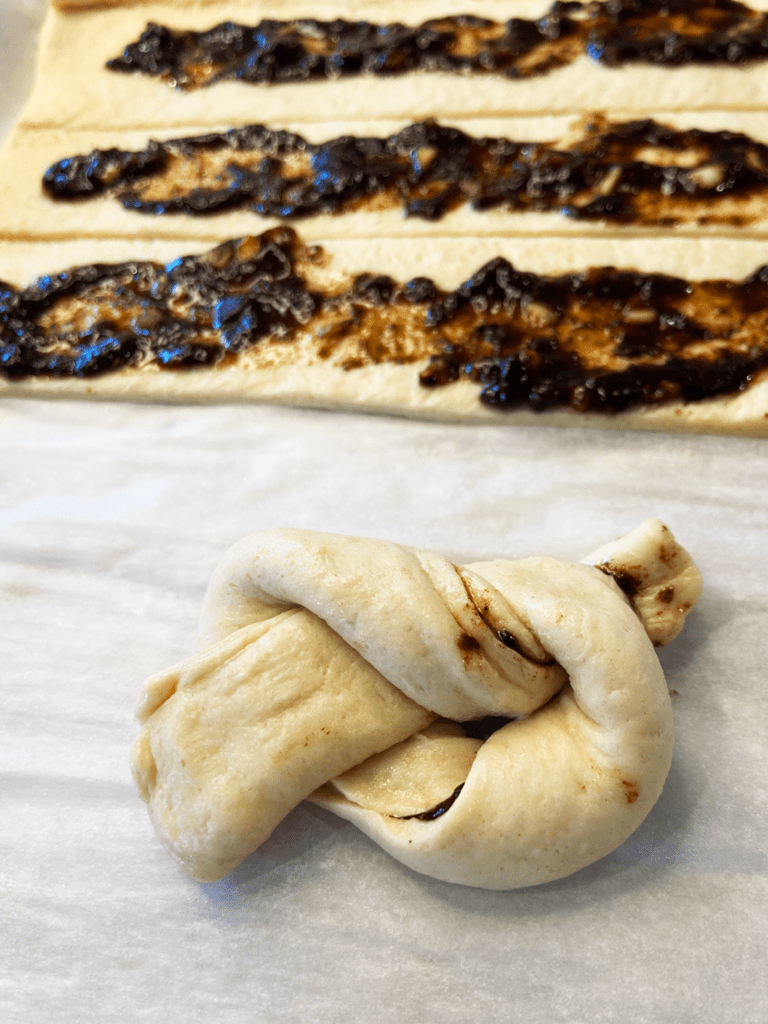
{"type": "Point", "coordinates": [111, 520]}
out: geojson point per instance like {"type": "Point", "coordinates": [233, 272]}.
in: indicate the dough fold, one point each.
{"type": "Point", "coordinates": [339, 668]}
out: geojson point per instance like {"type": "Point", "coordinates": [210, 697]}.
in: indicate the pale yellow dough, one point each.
{"type": "Point", "coordinates": [338, 665]}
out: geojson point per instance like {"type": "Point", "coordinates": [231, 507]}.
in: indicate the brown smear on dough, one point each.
{"type": "Point", "coordinates": [627, 581]}
{"type": "Point", "coordinates": [468, 644]}
{"type": "Point", "coordinates": [630, 790]}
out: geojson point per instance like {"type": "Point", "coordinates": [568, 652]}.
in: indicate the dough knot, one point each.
{"type": "Point", "coordinates": [496, 724]}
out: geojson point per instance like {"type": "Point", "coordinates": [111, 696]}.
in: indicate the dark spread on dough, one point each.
{"type": "Point", "coordinates": [509, 640]}
{"type": "Point", "coordinates": [629, 582]}
{"type": "Point", "coordinates": [668, 33]}
{"type": "Point", "coordinates": [195, 311]}
{"type": "Point", "coordinates": [481, 608]}
{"type": "Point", "coordinates": [600, 340]}
{"type": "Point", "coordinates": [433, 812]}
{"type": "Point", "coordinates": [639, 172]}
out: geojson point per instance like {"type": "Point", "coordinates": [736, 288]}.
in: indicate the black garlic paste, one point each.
{"type": "Point", "coordinates": [434, 812]}
{"type": "Point", "coordinates": [635, 172]}
{"type": "Point", "coordinates": [602, 340]}
{"type": "Point", "coordinates": [613, 32]}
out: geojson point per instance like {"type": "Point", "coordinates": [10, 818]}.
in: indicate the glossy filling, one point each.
{"type": "Point", "coordinates": [434, 812]}
{"type": "Point", "coordinates": [637, 172]}
{"type": "Point", "coordinates": [616, 32]}
{"type": "Point", "coordinates": [602, 340]}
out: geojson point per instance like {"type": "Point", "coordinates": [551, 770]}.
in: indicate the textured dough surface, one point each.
{"type": "Point", "coordinates": [324, 657]}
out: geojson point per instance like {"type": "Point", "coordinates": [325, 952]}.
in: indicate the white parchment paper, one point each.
{"type": "Point", "coordinates": [111, 520]}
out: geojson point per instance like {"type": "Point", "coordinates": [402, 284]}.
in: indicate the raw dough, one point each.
{"type": "Point", "coordinates": [318, 652]}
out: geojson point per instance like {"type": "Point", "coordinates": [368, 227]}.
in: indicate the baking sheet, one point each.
{"type": "Point", "coordinates": [111, 520]}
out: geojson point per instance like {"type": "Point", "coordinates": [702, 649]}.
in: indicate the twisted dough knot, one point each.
{"type": "Point", "coordinates": [338, 668]}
